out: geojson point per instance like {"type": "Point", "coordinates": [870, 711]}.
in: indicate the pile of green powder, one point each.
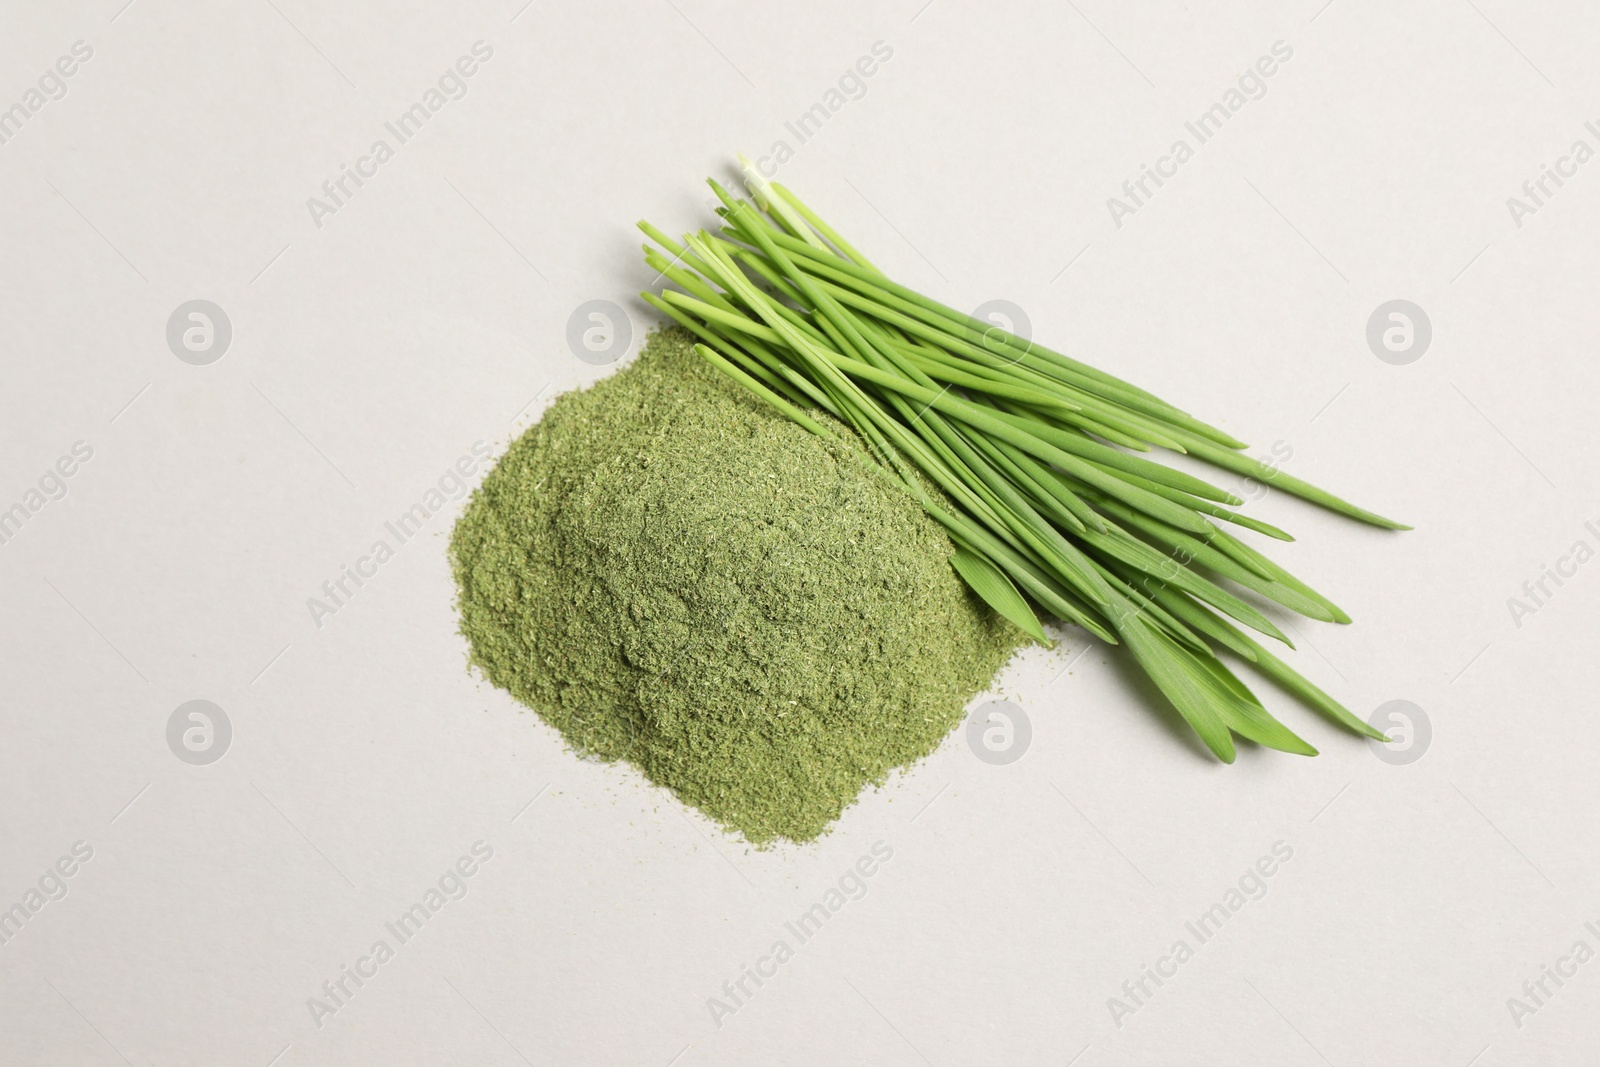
{"type": "Point", "coordinates": [674, 575]}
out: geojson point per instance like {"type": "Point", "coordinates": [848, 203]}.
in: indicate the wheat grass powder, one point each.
{"type": "Point", "coordinates": [673, 575]}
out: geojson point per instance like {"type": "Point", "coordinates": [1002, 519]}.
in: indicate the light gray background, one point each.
{"type": "Point", "coordinates": [430, 313]}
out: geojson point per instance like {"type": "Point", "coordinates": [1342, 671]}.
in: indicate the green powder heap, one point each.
{"type": "Point", "coordinates": [673, 575]}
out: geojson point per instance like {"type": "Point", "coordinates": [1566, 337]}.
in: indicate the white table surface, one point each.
{"type": "Point", "coordinates": [373, 346]}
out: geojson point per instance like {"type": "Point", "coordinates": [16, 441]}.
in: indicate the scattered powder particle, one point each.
{"type": "Point", "coordinates": [673, 575]}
